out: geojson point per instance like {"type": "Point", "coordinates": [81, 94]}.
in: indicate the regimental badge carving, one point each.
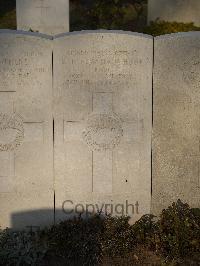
{"type": "Point", "coordinates": [11, 131]}
{"type": "Point", "coordinates": [103, 131]}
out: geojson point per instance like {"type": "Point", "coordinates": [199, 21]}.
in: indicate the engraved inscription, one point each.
{"type": "Point", "coordinates": [11, 131]}
{"type": "Point", "coordinates": [106, 62]}
{"type": "Point", "coordinates": [103, 131]}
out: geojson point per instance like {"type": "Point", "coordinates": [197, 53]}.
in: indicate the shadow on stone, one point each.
{"type": "Point", "coordinates": [39, 219]}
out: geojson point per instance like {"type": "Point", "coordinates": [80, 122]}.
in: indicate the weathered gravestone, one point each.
{"type": "Point", "coordinates": [174, 10]}
{"type": "Point", "coordinates": [103, 110]}
{"type": "Point", "coordinates": [176, 140]}
{"type": "Point", "coordinates": [26, 129]}
{"type": "Point", "coordinates": [45, 16]}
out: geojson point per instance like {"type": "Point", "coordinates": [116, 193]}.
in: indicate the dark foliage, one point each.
{"type": "Point", "coordinates": [174, 236]}
{"type": "Point", "coordinates": [128, 15]}
{"type": "Point", "coordinates": [179, 232]}
{"type": "Point", "coordinates": [145, 231]}
{"type": "Point", "coordinates": [91, 14]}
{"type": "Point", "coordinates": [21, 248]}
{"type": "Point", "coordinates": [7, 14]}
{"type": "Point", "coordinates": [6, 6]}
{"type": "Point", "coordinates": [108, 14]}
{"type": "Point", "coordinates": [118, 238]}
{"type": "Point", "coordinates": [77, 240]}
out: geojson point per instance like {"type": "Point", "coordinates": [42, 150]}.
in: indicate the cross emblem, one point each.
{"type": "Point", "coordinates": [13, 133]}
{"type": "Point", "coordinates": [102, 132]}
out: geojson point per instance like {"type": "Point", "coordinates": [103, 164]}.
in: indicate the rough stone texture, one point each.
{"type": "Point", "coordinates": [103, 114]}
{"type": "Point", "coordinates": [26, 150]}
{"type": "Point", "coordinates": [45, 16]}
{"type": "Point", "coordinates": [174, 10]}
{"type": "Point", "coordinates": [176, 140]}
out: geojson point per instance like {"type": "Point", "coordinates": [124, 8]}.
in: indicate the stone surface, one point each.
{"type": "Point", "coordinates": [174, 10]}
{"type": "Point", "coordinates": [176, 140]}
{"type": "Point", "coordinates": [45, 16]}
{"type": "Point", "coordinates": [26, 128]}
{"type": "Point", "coordinates": [103, 115]}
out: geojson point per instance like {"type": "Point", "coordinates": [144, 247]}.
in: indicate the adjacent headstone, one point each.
{"type": "Point", "coordinates": [44, 16]}
{"type": "Point", "coordinates": [176, 140]}
{"type": "Point", "coordinates": [26, 129]}
{"type": "Point", "coordinates": [103, 116]}
{"type": "Point", "coordinates": [174, 10]}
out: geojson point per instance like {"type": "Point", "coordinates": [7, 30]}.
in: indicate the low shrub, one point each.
{"type": "Point", "coordinates": [163, 27]}
{"type": "Point", "coordinates": [179, 232]}
{"type": "Point", "coordinates": [174, 236]}
{"type": "Point", "coordinates": [21, 248]}
{"type": "Point", "coordinates": [118, 238]}
{"type": "Point", "coordinates": [77, 240]}
{"type": "Point", "coordinates": [145, 231]}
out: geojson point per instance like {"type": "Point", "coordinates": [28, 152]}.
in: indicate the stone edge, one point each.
{"type": "Point", "coordinates": [84, 32]}
{"type": "Point", "coordinates": [178, 34]}
{"type": "Point", "coordinates": [26, 33]}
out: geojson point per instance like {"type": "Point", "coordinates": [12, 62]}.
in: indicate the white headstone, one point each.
{"type": "Point", "coordinates": [26, 130]}
{"type": "Point", "coordinates": [103, 115]}
{"type": "Point", "coordinates": [174, 10]}
{"type": "Point", "coordinates": [44, 16]}
{"type": "Point", "coordinates": [176, 140]}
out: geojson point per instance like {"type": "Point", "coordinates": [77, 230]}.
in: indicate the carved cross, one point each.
{"type": "Point", "coordinates": [102, 131]}
{"type": "Point", "coordinates": [13, 133]}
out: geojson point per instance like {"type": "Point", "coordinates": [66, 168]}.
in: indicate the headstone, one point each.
{"type": "Point", "coordinates": [44, 16]}
{"type": "Point", "coordinates": [103, 115]}
{"type": "Point", "coordinates": [26, 129]}
{"type": "Point", "coordinates": [176, 140]}
{"type": "Point", "coordinates": [174, 10]}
